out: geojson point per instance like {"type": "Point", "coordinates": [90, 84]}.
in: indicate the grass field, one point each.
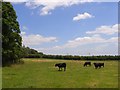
{"type": "Point", "coordinates": [41, 73]}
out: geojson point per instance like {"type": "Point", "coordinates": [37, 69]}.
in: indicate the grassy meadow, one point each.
{"type": "Point", "coordinates": [41, 73]}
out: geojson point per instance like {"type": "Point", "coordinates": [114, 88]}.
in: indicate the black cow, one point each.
{"type": "Point", "coordinates": [61, 65]}
{"type": "Point", "coordinates": [98, 65]}
{"type": "Point", "coordinates": [87, 63]}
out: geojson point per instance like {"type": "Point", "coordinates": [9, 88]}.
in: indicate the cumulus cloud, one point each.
{"type": "Point", "coordinates": [94, 45]}
{"type": "Point", "coordinates": [82, 16]}
{"type": "Point", "coordinates": [64, 0]}
{"type": "Point", "coordinates": [89, 40]}
{"type": "Point", "coordinates": [108, 30]}
{"type": "Point", "coordinates": [16, 1]}
{"type": "Point", "coordinates": [49, 5]}
{"type": "Point", "coordinates": [113, 39]}
{"type": "Point", "coordinates": [36, 39]}
{"type": "Point", "coordinates": [81, 41]}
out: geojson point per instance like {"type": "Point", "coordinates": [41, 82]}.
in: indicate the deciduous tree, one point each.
{"type": "Point", "coordinates": [11, 39]}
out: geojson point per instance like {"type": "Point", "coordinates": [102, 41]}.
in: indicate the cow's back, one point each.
{"type": "Point", "coordinates": [62, 65]}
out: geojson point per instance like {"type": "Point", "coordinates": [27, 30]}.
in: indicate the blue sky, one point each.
{"type": "Point", "coordinates": [79, 29]}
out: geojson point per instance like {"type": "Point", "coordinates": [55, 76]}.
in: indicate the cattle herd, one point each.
{"type": "Point", "coordinates": [63, 65]}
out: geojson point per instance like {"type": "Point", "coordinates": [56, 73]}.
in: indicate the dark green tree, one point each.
{"type": "Point", "coordinates": [11, 39]}
{"type": "Point", "coordinates": [31, 53]}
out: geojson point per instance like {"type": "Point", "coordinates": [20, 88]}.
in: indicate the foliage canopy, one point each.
{"type": "Point", "coordinates": [11, 39]}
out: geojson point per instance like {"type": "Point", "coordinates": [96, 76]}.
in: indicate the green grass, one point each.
{"type": "Point", "coordinates": [0, 78]}
{"type": "Point", "coordinates": [43, 74]}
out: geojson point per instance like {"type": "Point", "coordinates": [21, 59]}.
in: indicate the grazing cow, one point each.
{"type": "Point", "coordinates": [98, 65]}
{"type": "Point", "coordinates": [87, 63]}
{"type": "Point", "coordinates": [61, 65]}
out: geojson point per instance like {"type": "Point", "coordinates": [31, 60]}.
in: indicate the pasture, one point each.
{"type": "Point", "coordinates": [42, 73]}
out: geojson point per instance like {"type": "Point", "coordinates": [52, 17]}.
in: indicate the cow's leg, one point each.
{"type": "Point", "coordinates": [59, 69]}
{"type": "Point", "coordinates": [84, 65]}
{"type": "Point", "coordinates": [88, 64]}
{"type": "Point", "coordinates": [99, 66]}
{"type": "Point", "coordinates": [96, 67]}
{"type": "Point", "coordinates": [64, 68]}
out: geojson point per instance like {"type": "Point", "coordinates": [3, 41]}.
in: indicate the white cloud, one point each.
{"type": "Point", "coordinates": [94, 45]}
{"type": "Point", "coordinates": [81, 41]}
{"type": "Point", "coordinates": [89, 40]}
{"type": "Point", "coordinates": [113, 39]}
{"type": "Point", "coordinates": [66, 0]}
{"type": "Point", "coordinates": [108, 30]}
{"type": "Point", "coordinates": [106, 0]}
{"type": "Point", "coordinates": [31, 40]}
{"type": "Point", "coordinates": [16, 1]}
{"type": "Point", "coordinates": [48, 5]}
{"type": "Point", "coordinates": [82, 16]}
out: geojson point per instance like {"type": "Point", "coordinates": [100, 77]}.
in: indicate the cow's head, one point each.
{"type": "Point", "coordinates": [56, 65]}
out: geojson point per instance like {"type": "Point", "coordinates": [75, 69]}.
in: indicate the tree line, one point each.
{"type": "Point", "coordinates": [32, 53]}
{"type": "Point", "coordinates": [75, 57]}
